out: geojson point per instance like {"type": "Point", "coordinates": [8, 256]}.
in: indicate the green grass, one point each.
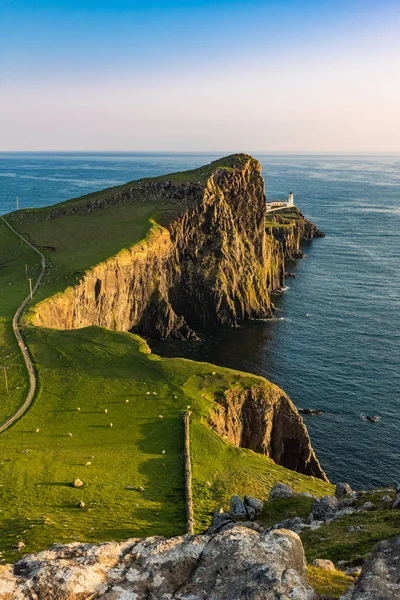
{"type": "Point", "coordinates": [335, 542]}
{"type": "Point", "coordinates": [329, 583]}
{"type": "Point", "coordinates": [231, 470]}
{"type": "Point", "coordinates": [14, 287]}
{"type": "Point", "coordinates": [74, 244]}
{"type": "Point", "coordinates": [271, 224]}
{"type": "Point", "coordinates": [96, 369]}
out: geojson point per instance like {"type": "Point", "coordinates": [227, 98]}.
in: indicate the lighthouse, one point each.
{"type": "Point", "coordinates": [290, 199]}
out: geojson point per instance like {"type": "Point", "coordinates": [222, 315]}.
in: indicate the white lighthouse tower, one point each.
{"type": "Point", "coordinates": [290, 199]}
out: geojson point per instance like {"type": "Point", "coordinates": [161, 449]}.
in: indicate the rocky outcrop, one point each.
{"type": "Point", "coordinates": [262, 418]}
{"type": "Point", "coordinates": [212, 263]}
{"type": "Point", "coordinates": [380, 575]}
{"type": "Point", "coordinates": [292, 230]}
{"type": "Point", "coordinates": [238, 563]}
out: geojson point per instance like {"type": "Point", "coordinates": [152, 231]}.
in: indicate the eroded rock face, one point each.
{"type": "Point", "coordinates": [380, 575]}
{"type": "Point", "coordinates": [264, 419]}
{"type": "Point", "coordinates": [213, 264]}
{"type": "Point", "coordinates": [294, 233]}
{"type": "Point", "coordinates": [239, 563]}
{"type": "Point", "coordinates": [210, 266]}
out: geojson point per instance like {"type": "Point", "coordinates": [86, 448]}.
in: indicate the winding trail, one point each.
{"type": "Point", "coordinates": [20, 340]}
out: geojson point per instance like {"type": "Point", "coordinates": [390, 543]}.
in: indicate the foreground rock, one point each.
{"type": "Point", "coordinates": [239, 563]}
{"type": "Point", "coordinates": [380, 576]}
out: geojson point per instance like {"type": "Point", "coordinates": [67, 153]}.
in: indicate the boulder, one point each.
{"type": "Point", "coordinates": [238, 563]}
{"type": "Point", "coordinates": [323, 563]}
{"type": "Point", "coordinates": [254, 503]}
{"type": "Point", "coordinates": [343, 512]}
{"type": "Point", "coordinates": [380, 575]}
{"type": "Point", "coordinates": [236, 508]}
{"type": "Point", "coordinates": [295, 524]}
{"type": "Point", "coordinates": [281, 490]}
{"type": "Point", "coordinates": [366, 506]}
{"type": "Point", "coordinates": [324, 508]}
{"type": "Point", "coordinates": [251, 513]}
{"type": "Point", "coordinates": [343, 489]}
{"type": "Point", "coordinates": [396, 503]}
{"type": "Point", "coordinates": [219, 520]}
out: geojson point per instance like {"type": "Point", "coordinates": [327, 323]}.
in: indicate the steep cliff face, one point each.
{"type": "Point", "coordinates": [291, 230]}
{"type": "Point", "coordinates": [211, 265]}
{"type": "Point", "coordinates": [265, 420]}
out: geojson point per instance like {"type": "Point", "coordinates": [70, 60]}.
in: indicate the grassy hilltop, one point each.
{"type": "Point", "coordinates": [98, 370]}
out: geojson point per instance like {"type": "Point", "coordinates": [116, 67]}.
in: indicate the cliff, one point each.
{"type": "Point", "coordinates": [264, 419]}
{"type": "Point", "coordinates": [212, 263]}
{"type": "Point", "coordinates": [291, 229]}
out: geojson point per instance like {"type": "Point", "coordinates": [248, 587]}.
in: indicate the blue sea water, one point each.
{"type": "Point", "coordinates": [334, 341]}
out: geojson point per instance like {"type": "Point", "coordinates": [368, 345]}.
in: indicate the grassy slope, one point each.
{"type": "Point", "coordinates": [96, 369]}
{"type": "Point", "coordinates": [14, 287]}
{"type": "Point", "coordinates": [73, 244]}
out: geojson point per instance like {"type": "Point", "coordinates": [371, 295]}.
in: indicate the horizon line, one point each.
{"type": "Point", "coordinates": [225, 152]}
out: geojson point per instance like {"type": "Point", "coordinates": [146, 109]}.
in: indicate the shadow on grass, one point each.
{"type": "Point", "coordinates": [162, 477]}
{"type": "Point", "coordinates": [55, 484]}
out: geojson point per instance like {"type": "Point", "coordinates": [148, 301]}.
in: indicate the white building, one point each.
{"type": "Point", "coordinates": [276, 204]}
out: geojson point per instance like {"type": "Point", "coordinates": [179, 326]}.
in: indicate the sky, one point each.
{"type": "Point", "coordinates": [200, 75]}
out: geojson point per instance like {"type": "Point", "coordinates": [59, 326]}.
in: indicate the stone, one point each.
{"type": "Point", "coordinates": [238, 563]}
{"type": "Point", "coordinates": [366, 506]}
{"type": "Point", "coordinates": [343, 489]}
{"type": "Point", "coordinates": [324, 508]}
{"type": "Point", "coordinates": [354, 528]}
{"type": "Point", "coordinates": [254, 503]}
{"type": "Point", "coordinates": [396, 503]}
{"type": "Point", "coordinates": [343, 512]}
{"type": "Point", "coordinates": [219, 519]}
{"type": "Point", "coordinates": [352, 571]}
{"type": "Point", "coordinates": [281, 490]}
{"type": "Point", "coordinates": [379, 578]}
{"type": "Point", "coordinates": [236, 508]}
{"type": "Point", "coordinates": [77, 483]}
{"type": "Point", "coordinates": [295, 524]}
{"type": "Point", "coordinates": [386, 499]}
{"type": "Point", "coordinates": [323, 563]}
{"type": "Point", "coordinates": [251, 513]}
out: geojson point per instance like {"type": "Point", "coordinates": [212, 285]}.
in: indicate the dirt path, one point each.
{"type": "Point", "coordinates": [20, 340]}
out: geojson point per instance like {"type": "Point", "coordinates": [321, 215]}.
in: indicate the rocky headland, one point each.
{"type": "Point", "coordinates": [215, 262]}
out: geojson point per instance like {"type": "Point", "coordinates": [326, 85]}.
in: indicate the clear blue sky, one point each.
{"type": "Point", "coordinates": [200, 75]}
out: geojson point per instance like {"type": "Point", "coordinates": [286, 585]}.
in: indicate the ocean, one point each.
{"type": "Point", "coordinates": [333, 343]}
